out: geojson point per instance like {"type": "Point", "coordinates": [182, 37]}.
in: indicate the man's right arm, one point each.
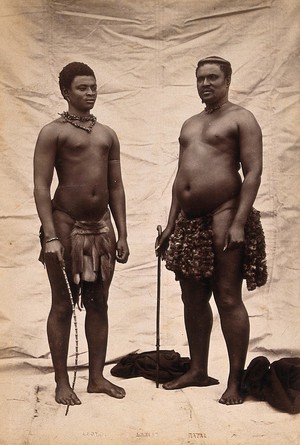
{"type": "Point", "coordinates": [162, 242]}
{"type": "Point", "coordinates": [43, 168]}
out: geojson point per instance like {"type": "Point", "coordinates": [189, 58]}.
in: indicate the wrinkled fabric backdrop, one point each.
{"type": "Point", "coordinates": [144, 55]}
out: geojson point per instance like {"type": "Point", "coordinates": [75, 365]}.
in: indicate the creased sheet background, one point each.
{"type": "Point", "coordinates": [144, 55]}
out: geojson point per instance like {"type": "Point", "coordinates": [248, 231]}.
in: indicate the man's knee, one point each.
{"type": "Point", "coordinates": [195, 293]}
{"type": "Point", "coordinates": [96, 301]}
{"type": "Point", "coordinates": [228, 298]}
{"type": "Point", "coordinates": [62, 311]}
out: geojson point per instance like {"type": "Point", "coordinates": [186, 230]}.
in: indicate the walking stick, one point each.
{"type": "Point", "coordinates": [159, 230]}
{"type": "Point", "coordinates": [76, 332]}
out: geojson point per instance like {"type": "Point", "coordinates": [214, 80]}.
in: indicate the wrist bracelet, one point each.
{"type": "Point", "coordinates": [52, 239]}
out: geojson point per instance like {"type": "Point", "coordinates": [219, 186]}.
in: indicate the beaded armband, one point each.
{"type": "Point", "coordinates": [55, 238]}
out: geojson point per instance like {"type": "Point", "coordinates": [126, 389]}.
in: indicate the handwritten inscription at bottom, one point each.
{"type": "Point", "coordinates": [197, 436]}
{"type": "Point", "coordinates": [146, 434]}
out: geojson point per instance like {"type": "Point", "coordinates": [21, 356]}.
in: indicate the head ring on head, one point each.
{"type": "Point", "coordinates": [225, 66]}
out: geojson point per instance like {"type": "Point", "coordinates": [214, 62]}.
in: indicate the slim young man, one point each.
{"type": "Point", "coordinates": [77, 232]}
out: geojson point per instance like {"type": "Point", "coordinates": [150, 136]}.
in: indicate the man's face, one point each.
{"type": "Point", "coordinates": [211, 83]}
{"type": "Point", "coordinates": [82, 93]}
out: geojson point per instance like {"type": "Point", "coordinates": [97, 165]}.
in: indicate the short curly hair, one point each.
{"type": "Point", "coordinates": [70, 71]}
{"type": "Point", "coordinates": [224, 65]}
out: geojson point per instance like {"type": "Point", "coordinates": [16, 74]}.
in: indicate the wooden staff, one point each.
{"type": "Point", "coordinates": [159, 230]}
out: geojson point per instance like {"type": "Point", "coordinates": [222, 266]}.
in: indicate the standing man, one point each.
{"type": "Point", "coordinates": [214, 237]}
{"type": "Point", "coordinates": [77, 232]}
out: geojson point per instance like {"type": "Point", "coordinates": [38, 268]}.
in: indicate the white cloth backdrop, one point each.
{"type": "Point", "coordinates": [144, 55]}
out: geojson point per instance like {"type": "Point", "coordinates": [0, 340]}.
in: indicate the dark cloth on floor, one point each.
{"type": "Point", "coordinates": [191, 255]}
{"type": "Point", "coordinates": [277, 383]}
{"type": "Point", "coordinates": [171, 365]}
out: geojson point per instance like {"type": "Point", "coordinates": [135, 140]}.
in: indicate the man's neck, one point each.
{"type": "Point", "coordinates": [211, 107]}
{"type": "Point", "coordinates": [80, 113]}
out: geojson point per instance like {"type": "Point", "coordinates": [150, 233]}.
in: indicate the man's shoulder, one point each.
{"type": "Point", "coordinates": [52, 127]}
{"type": "Point", "coordinates": [49, 134]}
{"type": "Point", "coordinates": [240, 111]}
{"type": "Point", "coordinates": [107, 130]}
{"type": "Point", "coordinates": [191, 119]}
{"type": "Point", "coordinates": [243, 117]}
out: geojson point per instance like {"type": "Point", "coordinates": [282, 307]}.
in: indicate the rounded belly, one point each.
{"type": "Point", "coordinates": [201, 195]}
{"type": "Point", "coordinates": [81, 202]}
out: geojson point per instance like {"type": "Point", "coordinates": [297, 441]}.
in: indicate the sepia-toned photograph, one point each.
{"type": "Point", "coordinates": [150, 207]}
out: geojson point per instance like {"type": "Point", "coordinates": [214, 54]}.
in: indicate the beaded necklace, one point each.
{"type": "Point", "coordinates": [72, 119]}
{"type": "Point", "coordinates": [209, 110]}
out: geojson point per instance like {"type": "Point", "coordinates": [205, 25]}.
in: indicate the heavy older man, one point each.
{"type": "Point", "coordinates": [213, 238]}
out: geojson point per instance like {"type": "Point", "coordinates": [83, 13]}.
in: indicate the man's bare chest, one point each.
{"type": "Point", "coordinates": [82, 146]}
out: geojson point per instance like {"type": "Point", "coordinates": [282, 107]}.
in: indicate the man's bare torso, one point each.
{"type": "Point", "coordinates": [82, 169]}
{"type": "Point", "coordinates": [208, 174]}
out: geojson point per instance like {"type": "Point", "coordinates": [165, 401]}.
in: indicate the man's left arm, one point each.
{"type": "Point", "coordinates": [250, 145]}
{"type": "Point", "coordinates": [117, 202]}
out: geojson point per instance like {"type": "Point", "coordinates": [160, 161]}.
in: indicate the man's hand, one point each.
{"type": "Point", "coordinates": [162, 243]}
{"type": "Point", "coordinates": [55, 248]}
{"type": "Point", "coordinates": [235, 237]}
{"type": "Point", "coordinates": [122, 249]}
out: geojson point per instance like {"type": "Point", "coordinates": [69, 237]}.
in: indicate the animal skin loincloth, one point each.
{"type": "Point", "coordinates": [91, 250]}
{"type": "Point", "coordinates": [191, 254]}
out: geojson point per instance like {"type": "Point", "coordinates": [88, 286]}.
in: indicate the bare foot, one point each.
{"type": "Point", "coordinates": [190, 379]}
{"type": "Point", "coordinates": [105, 386]}
{"type": "Point", "coordinates": [65, 395]}
{"type": "Point", "coordinates": [231, 396]}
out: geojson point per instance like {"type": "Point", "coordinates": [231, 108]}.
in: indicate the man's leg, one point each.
{"type": "Point", "coordinates": [96, 328]}
{"type": "Point", "coordinates": [58, 330]}
{"type": "Point", "coordinates": [227, 291]}
{"type": "Point", "coordinates": [198, 323]}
